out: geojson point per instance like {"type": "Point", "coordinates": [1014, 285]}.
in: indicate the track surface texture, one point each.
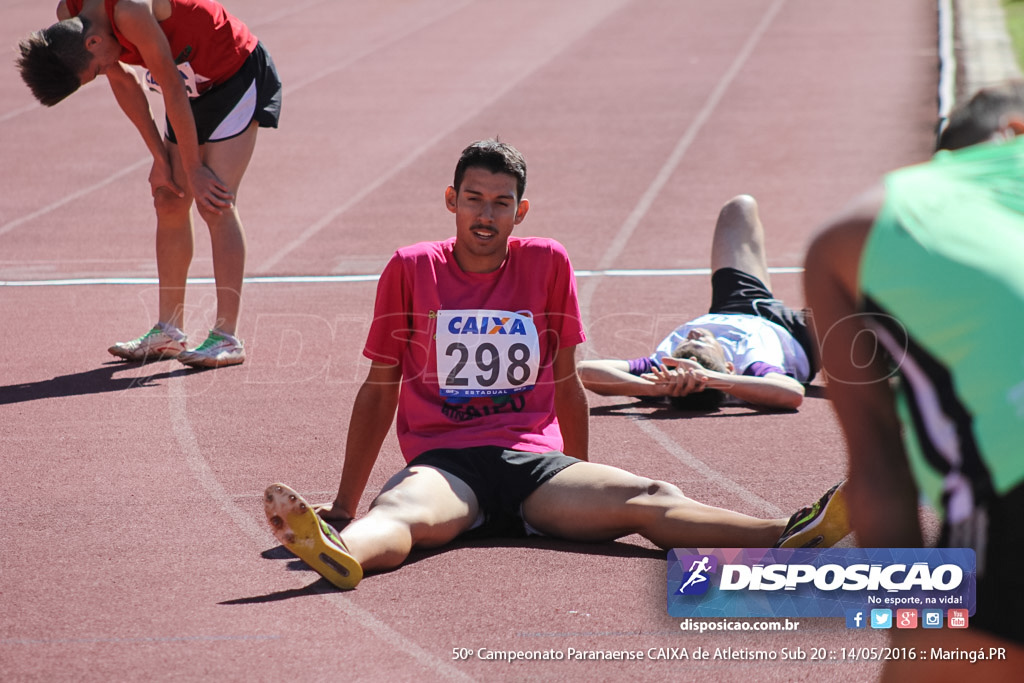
{"type": "Point", "coordinates": [133, 542]}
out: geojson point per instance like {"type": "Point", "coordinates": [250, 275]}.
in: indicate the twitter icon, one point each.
{"type": "Point", "coordinates": [881, 618]}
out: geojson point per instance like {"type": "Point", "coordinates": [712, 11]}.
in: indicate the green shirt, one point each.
{"type": "Point", "coordinates": [945, 258]}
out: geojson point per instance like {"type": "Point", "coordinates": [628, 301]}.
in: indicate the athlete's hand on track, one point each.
{"type": "Point", "coordinates": [336, 518]}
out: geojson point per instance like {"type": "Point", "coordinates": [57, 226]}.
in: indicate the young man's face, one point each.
{"type": "Point", "coordinates": [486, 210]}
{"type": "Point", "coordinates": [105, 53]}
{"type": "Point", "coordinates": [700, 340]}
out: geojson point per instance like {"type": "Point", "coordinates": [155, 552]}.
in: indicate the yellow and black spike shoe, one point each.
{"type": "Point", "coordinates": [820, 525]}
{"type": "Point", "coordinates": [311, 539]}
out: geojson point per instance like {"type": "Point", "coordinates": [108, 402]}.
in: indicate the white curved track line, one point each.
{"type": "Point", "coordinates": [260, 537]}
{"type": "Point", "coordinates": [197, 463]}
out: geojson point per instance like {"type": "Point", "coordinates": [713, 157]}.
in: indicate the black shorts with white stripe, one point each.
{"type": "Point", "coordinates": [226, 110]}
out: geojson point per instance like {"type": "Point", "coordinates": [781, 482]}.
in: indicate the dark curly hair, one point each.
{"type": "Point", "coordinates": [495, 156]}
{"type": "Point", "coordinates": [51, 59]}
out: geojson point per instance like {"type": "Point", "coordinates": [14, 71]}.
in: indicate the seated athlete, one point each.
{"type": "Point", "coordinates": [749, 346]}
{"type": "Point", "coordinates": [473, 346]}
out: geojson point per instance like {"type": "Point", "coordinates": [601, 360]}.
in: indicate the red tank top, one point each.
{"type": "Point", "coordinates": [200, 32]}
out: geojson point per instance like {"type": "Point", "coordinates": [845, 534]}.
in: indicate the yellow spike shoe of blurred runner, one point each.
{"type": "Point", "coordinates": [820, 525]}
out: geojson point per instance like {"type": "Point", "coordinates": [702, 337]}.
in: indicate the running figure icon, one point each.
{"type": "Point", "coordinates": [697, 570]}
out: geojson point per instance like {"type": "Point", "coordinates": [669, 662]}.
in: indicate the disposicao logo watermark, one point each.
{"type": "Point", "coordinates": [828, 582]}
{"type": "Point", "coordinates": [696, 580]}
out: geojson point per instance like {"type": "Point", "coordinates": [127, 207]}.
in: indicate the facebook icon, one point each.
{"type": "Point", "coordinates": [855, 618]}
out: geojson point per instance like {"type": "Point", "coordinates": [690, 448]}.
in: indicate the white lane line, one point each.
{"type": "Point", "coordinates": [456, 123]}
{"type": "Point", "coordinates": [947, 62]}
{"type": "Point", "coordinates": [10, 225]}
{"type": "Point", "coordinates": [276, 16]}
{"type": "Point", "coordinates": [763, 507]}
{"type": "Point", "coordinates": [19, 111]}
{"type": "Point", "coordinates": [334, 279]}
{"type": "Point", "coordinates": [395, 39]}
{"type": "Point", "coordinates": [628, 228]}
{"type": "Point", "coordinates": [67, 199]}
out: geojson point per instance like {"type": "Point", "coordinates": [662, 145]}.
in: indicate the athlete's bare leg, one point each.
{"type": "Point", "coordinates": [739, 239]}
{"type": "Point", "coordinates": [419, 507]}
{"type": "Point", "coordinates": [594, 502]}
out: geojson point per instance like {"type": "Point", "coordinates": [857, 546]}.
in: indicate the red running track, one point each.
{"type": "Point", "coordinates": [133, 542]}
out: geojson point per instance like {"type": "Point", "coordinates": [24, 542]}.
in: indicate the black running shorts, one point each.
{"type": "Point", "coordinates": [226, 110]}
{"type": "Point", "coordinates": [734, 291]}
{"type": "Point", "coordinates": [501, 480]}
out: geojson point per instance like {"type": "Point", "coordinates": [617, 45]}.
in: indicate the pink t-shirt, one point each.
{"type": "Point", "coordinates": [428, 310]}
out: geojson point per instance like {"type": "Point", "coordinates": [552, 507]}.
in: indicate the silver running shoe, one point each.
{"type": "Point", "coordinates": [220, 348]}
{"type": "Point", "coordinates": [163, 341]}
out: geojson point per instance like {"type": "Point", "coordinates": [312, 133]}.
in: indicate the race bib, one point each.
{"type": "Point", "coordinates": [188, 75]}
{"type": "Point", "coordinates": [486, 353]}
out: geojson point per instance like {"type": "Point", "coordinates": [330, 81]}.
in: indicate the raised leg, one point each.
{"type": "Point", "coordinates": [739, 239]}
